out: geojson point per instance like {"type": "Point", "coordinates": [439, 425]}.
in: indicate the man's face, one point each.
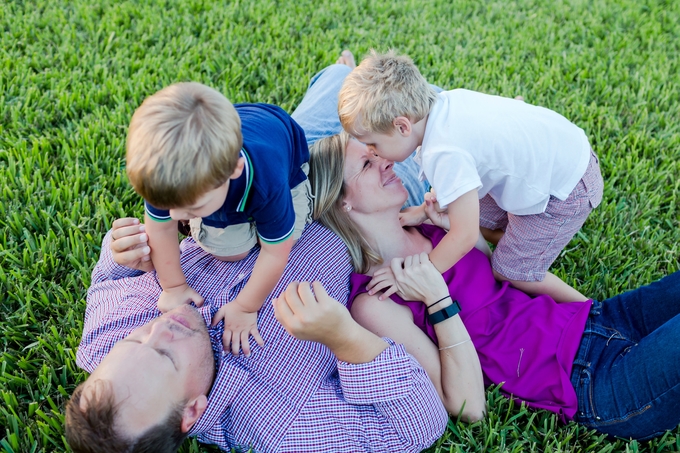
{"type": "Point", "coordinates": [166, 362]}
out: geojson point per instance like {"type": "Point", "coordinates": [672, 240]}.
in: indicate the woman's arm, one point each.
{"type": "Point", "coordinates": [455, 372]}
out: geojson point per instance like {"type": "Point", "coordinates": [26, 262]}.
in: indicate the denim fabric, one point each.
{"type": "Point", "coordinates": [318, 116]}
{"type": "Point", "coordinates": [627, 369]}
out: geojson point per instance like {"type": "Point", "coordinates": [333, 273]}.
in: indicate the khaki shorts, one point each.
{"type": "Point", "coordinates": [238, 239]}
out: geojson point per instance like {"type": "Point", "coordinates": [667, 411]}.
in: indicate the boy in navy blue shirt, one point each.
{"type": "Point", "coordinates": [237, 173]}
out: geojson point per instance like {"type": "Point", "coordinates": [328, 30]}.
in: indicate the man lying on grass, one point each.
{"type": "Point", "coordinates": [321, 382]}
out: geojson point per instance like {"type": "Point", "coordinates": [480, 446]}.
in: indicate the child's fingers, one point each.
{"type": "Point", "coordinates": [198, 300]}
{"type": "Point", "coordinates": [219, 316]}
{"type": "Point", "coordinates": [256, 335]}
{"type": "Point", "coordinates": [236, 343]}
{"type": "Point", "coordinates": [246, 344]}
{"type": "Point", "coordinates": [388, 292]}
{"type": "Point", "coordinates": [226, 340]}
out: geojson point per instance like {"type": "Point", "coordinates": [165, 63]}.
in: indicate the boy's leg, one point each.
{"type": "Point", "coordinates": [232, 243]}
{"type": "Point", "coordinates": [531, 243]}
{"type": "Point", "coordinates": [303, 204]}
{"type": "Point", "coordinates": [492, 220]}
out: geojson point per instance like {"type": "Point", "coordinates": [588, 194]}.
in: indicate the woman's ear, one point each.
{"type": "Point", "coordinates": [346, 206]}
{"type": "Point", "coordinates": [403, 126]}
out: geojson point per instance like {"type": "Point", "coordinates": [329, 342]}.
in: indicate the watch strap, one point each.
{"type": "Point", "coordinates": [445, 313]}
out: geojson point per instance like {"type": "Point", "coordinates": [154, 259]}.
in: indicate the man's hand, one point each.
{"type": "Point", "coordinates": [239, 324]}
{"type": "Point", "coordinates": [178, 295]}
{"type": "Point", "coordinates": [311, 316]}
{"type": "Point", "coordinates": [318, 317]}
{"type": "Point", "coordinates": [129, 244]}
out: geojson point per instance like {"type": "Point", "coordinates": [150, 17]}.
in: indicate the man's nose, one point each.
{"type": "Point", "coordinates": [159, 333]}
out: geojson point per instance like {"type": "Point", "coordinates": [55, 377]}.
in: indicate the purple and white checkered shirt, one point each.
{"type": "Point", "coordinates": [290, 395]}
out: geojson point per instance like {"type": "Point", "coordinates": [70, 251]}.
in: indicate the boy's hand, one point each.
{"type": "Point", "coordinates": [178, 295]}
{"type": "Point", "coordinates": [239, 324]}
{"type": "Point", "coordinates": [413, 215]}
{"type": "Point", "coordinates": [129, 244]}
{"type": "Point", "coordinates": [383, 280]}
{"type": "Point", "coordinates": [438, 216]}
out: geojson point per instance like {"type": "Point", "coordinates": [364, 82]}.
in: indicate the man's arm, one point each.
{"type": "Point", "coordinates": [373, 371]}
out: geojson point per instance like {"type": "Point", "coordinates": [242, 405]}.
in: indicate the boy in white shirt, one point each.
{"type": "Point", "coordinates": [525, 174]}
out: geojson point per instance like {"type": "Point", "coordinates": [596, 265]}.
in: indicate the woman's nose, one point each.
{"type": "Point", "coordinates": [386, 164]}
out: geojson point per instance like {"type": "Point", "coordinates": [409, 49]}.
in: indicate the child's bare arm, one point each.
{"type": "Point", "coordinates": [240, 315]}
{"type": "Point", "coordinates": [463, 233]}
{"type": "Point", "coordinates": [165, 257]}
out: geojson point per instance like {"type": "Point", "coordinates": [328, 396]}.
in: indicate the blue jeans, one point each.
{"type": "Point", "coordinates": [317, 114]}
{"type": "Point", "coordinates": [627, 369]}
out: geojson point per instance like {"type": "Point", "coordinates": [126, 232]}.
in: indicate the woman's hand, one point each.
{"type": "Point", "coordinates": [418, 279]}
{"type": "Point", "coordinates": [129, 244]}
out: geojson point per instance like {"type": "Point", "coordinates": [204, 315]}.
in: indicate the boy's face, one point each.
{"type": "Point", "coordinates": [396, 146]}
{"type": "Point", "coordinates": [205, 205]}
{"type": "Point", "coordinates": [210, 201]}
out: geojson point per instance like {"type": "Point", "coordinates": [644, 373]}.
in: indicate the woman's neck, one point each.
{"type": "Point", "coordinates": [390, 240]}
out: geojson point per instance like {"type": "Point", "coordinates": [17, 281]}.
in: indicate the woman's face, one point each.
{"type": "Point", "coordinates": [370, 181]}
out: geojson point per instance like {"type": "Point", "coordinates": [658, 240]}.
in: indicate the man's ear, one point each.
{"type": "Point", "coordinates": [403, 126]}
{"type": "Point", "coordinates": [193, 411]}
{"type": "Point", "coordinates": [240, 163]}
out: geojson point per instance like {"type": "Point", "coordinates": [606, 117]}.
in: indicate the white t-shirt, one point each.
{"type": "Point", "coordinates": [518, 153]}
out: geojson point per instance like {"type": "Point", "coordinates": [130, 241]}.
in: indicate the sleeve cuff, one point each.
{"type": "Point", "coordinates": [387, 377]}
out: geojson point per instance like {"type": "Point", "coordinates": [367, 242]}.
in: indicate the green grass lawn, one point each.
{"type": "Point", "coordinates": [72, 73]}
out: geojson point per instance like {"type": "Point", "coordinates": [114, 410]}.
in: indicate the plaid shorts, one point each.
{"type": "Point", "coordinates": [532, 242]}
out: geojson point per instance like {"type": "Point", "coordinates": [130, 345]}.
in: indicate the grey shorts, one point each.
{"type": "Point", "coordinates": [531, 243]}
{"type": "Point", "coordinates": [238, 239]}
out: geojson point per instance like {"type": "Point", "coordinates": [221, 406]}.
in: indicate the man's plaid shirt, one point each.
{"type": "Point", "coordinates": [290, 395]}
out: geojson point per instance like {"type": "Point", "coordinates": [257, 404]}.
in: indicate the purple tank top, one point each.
{"type": "Point", "coordinates": [527, 343]}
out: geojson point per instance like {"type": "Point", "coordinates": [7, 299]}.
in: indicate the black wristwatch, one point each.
{"type": "Point", "coordinates": [444, 314]}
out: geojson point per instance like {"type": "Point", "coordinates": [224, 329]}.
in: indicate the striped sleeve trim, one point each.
{"type": "Point", "coordinates": [280, 239]}
{"type": "Point", "coordinates": [155, 217]}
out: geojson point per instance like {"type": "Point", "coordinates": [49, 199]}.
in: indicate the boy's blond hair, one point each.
{"type": "Point", "coordinates": [381, 88]}
{"type": "Point", "coordinates": [182, 142]}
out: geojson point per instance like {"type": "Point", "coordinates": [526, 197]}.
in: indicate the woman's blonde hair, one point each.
{"type": "Point", "coordinates": [326, 174]}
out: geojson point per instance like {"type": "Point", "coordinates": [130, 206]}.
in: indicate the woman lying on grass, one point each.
{"type": "Point", "coordinates": [613, 365]}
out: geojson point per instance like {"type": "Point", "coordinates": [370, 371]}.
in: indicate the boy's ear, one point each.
{"type": "Point", "coordinates": [240, 163]}
{"type": "Point", "coordinates": [403, 126]}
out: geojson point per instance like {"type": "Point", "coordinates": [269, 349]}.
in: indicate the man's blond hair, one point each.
{"type": "Point", "coordinates": [182, 142]}
{"type": "Point", "coordinates": [381, 88]}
